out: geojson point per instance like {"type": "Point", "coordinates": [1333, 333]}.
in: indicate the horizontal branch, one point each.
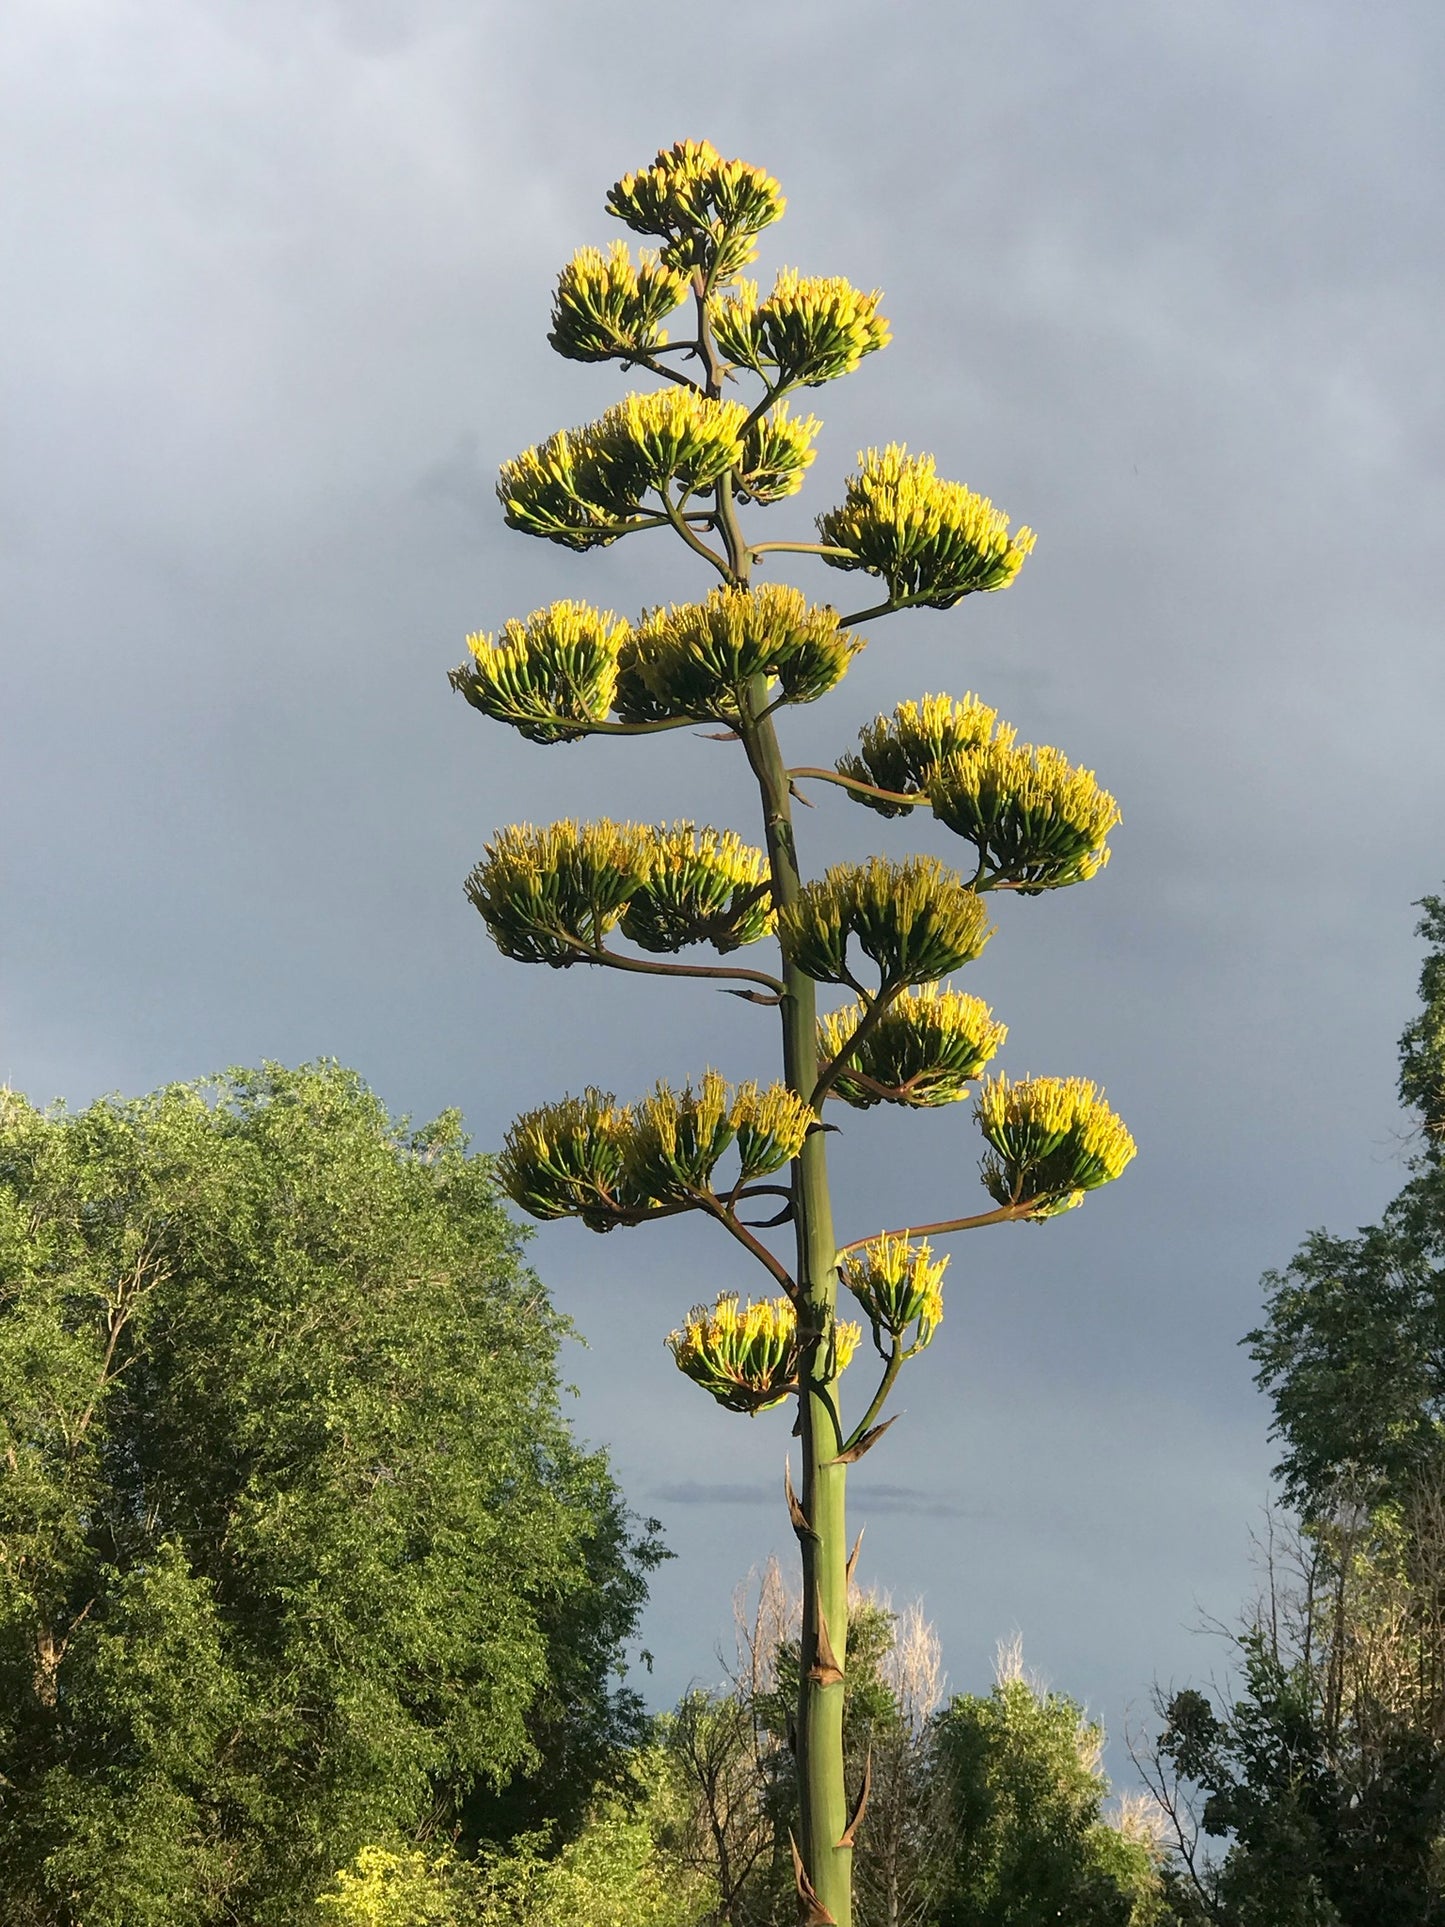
{"type": "Point", "coordinates": [613, 960]}
{"type": "Point", "coordinates": [862, 789]}
{"type": "Point", "coordinates": [1005, 1214]}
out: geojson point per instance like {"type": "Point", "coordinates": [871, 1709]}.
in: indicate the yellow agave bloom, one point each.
{"type": "Point", "coordinates": [695, 658]}
{"type": "Point", "coordinates": [747, 1356]}
{"type": "Point", "coordinates": [931, 1043]}
{"type": "Point", "coordinates": [678, 1137]}
{"type": "Point", "coordinates": [901, 752]}
{"type": "Point", "coordinates": [810, 329]}
{"type": "Point", "coordinates": [1034, 818]}
{"type": "Point", "coordinates": [606, 307]}
{"type": "Point", "coordinates": [931, 541]}
{"type": "Point", "coordinates": [898, 1283]}
{"type": "Point", "coordinates": [549, 676]}
{"type": "Point", "coordinates": [542, 893]}
{"type": "Point", "coordinates": [702, 886]}
{"type": "Point", "coordinates": [583, 486]}
{"type": "Point", "coordinates": [706, 210]}
{"type": "Point", "coordinates": [1054, 1138]}
{"type": "Point", "coordinates": [917, 920]}
{"type": "Point", "coordinates": [566, 1160]}
{"type": "Point", "coordinates": [777, 454]}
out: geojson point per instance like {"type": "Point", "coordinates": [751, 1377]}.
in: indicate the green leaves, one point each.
{"type": "Point", "coordinates": [931, 541]}
{"type": "Point", "coordinates": [307, 1554]}
{"type": "Point", "coordinates": [915, 920]}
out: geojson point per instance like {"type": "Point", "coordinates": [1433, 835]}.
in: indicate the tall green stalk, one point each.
{"type": "Point", "coordinates": [686, 457]}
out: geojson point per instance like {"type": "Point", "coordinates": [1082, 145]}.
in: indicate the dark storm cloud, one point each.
{"type": "Point", "coordinates": [1164, 280]}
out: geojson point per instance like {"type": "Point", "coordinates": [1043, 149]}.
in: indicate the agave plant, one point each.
{"type": "Point", "coordinates": [689, 456]}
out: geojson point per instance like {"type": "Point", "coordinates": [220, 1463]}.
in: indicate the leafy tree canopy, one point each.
{"type": "Point", "coordinates": [1352, 1349]}
{"type": "Point", "coordinates": [296, 1550]}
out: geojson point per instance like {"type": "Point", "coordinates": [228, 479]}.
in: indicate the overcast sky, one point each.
{"type": "Point", "coordinates": [1164, 280]}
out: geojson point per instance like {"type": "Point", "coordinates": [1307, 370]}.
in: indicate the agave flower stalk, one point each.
{"type": "Point", "coordinates": [691, 457]}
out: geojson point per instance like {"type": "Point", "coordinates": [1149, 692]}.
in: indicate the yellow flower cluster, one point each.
{"type": "Point", "coordinates": [583, 486]}
{"type": "Point", "coordinates": [592, 1158]}
{"type": "Point", "coordinates": [810, 329]}
{"type": "Point", "coordinates": [1035, 820]}
{"type": "Point", "coordinates": [695, 658]}
{"type": "Point", "coordinates": [707, 211]}
{"type": "Point", "coordinates": [606, 308]}
{"type": "Point", "coordinates": [542, 893]}
{"type": "Point", "coordinates": [898, 1283]}
{"type": "Point", "coordinates": [931, 541]}
{"type": "Point", "coordinates": [901, 752]}
{"type": "Point", "coordinates": [1054, 1138]}
{"type": "Point", "coordinates": [549, 895]}
{"type": "Point", "coordinates": [565, 1160]}
{"type": "Point", "coordinates": [776, 454]}
{"type": "Point", "coordinates": [678, 1137]}
{"type": "Point", "coordinates": [928, 1047]}
{"type": "Point", "coordinates": [549, 676]}
{"type": "Point", "coordinates": [915, 919]}
{"type": "Point", "coordinates": [747, 1356]}
{"type": "Point", "coordinates": [702, 886]}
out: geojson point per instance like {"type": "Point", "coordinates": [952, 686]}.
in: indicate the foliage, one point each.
{"type": "Point", "coordinates": [1320, 1776]}
{"type": "Point", "coordinates": [692, 455]}
{"type": "Point", "coordinates": [1025, 1795]}
{"type": "Point", "coordinates": [295, 1547]}
{"type": "Point", "coordinates": [612, 1875]}
{"type": "Point", "coordinates": [1352, 1349]}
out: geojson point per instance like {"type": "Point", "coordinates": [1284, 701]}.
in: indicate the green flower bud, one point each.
{"type": "Point", "coordinates": [931, 541]}
{"type": "Point", "coordinates": [926, 1049]}
{"type": "Point", "coordinates": [1054, 1138]}
{"type": "Point", "coordinates": [915, 919]}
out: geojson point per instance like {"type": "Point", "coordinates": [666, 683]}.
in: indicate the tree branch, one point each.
{"type": "Point", "coordinates": [613, 960]}
{"type": "Point", "coordinates": [1005, 1214]}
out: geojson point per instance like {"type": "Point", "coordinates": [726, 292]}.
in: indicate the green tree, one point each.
{"type": "Point", "coordinates": [688, 457]}
{"type": "Point", "coordinates": [1321, 1776]}
{"type": "Point", "coordinates": [1352, 1348]}
{"type": "Point", "coordinates": [1024, 1791]}
{"type": "Point", "coordinates": [295, 1547]}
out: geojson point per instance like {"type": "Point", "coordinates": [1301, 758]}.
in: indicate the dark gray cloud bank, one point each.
{"type": "Point", "coordinates": [1164, 280]}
